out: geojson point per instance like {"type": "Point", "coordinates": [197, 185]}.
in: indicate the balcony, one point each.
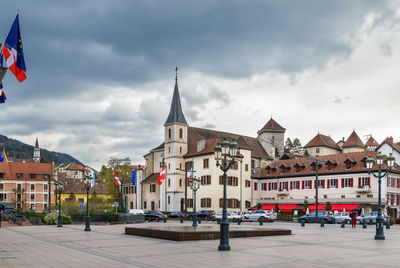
{"type": "Point", "coordinates": [364, 189]}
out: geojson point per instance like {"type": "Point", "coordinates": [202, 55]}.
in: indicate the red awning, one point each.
{"type": "Point", "coordinates": [335, 207]}
{"type": "Point", "coordinates": [282, 207]}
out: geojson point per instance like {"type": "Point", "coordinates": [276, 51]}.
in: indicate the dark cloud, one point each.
{"type": "Point", "coordinates": [78, 53]}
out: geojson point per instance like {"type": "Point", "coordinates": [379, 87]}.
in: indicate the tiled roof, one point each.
{"type": "Point", "coordinates": [371, 142]}
{"type": "Point", "coordinates": [273, 126]}
{"type": "Point", "coordinates": [290, 156]}
{"type": "Point", "coordinates": [212, 137]}
{"type": "Point", "coordinates": [306, 165]}
{"type": "Point", "coordinates": [10, 170]}
{"type": "Point", "coordinates": [78, 187]}
{"type": "Point", "coordinates": [323, 141]}
{"type": "Point", "coordinates": [138, 167]}
{"type": "Point", "coordinates": [151, 179]}
{"type": "Point", "coordinates": [76, 167]}
{"type": "Point", "coordinates": [353, 141]}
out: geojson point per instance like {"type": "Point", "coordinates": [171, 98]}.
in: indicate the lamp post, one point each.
{"type": "Point", "coordinates": [226, 150]}
{"type": "Point", "coordinates": [194, 185]}
{"type": "Point", "coordinates": [379, 161]}
{"type": "Point", "coordinates": [87, 187]}
{"type": "Point", "coordinates": [59, 189]}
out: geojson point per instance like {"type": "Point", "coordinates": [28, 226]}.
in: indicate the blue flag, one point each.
{"type": "Point", "coordinates": [1, 157]}
{"type": "Point", "coordinates": [2, 94]}
{"type": "Point", "coordinates": [134, 177]}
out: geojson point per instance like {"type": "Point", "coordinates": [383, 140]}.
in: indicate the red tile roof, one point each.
{"type": "Point", "coordinates": [353, 141]}
{"type": "Point", "coordinates": [371, 142]}
{"type": "Point", "coordinates": [323, 141]}
{"type": "Point", "coordinates": [76, 167]}
{"type": "Point", "coordinates": [273, 126]}
{"type": "Point", "coordinates": [337, 162]}
{"type": "Point", "coordinates": [10, 170]}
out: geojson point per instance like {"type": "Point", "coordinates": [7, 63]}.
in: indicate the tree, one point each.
{"type": "Point", "coordinates": [259, 206]}
{"type": "Point", "coordinates": [328, 206]}
{"type": "Point", "coordinates": [306, 153]}
{"type": "Point", "coordinates": [288, 146]}
{"type": "Point", "coordinates": [305, 205]}
{"type": "Point", "coordinates": [276, 208]}
{"type": "Point", "coordinates": [297, 148]}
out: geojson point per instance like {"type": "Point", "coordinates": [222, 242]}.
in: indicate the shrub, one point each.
{"type": "Point", "coordinates": [52, 218]}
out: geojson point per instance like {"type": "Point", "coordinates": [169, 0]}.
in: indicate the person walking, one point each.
{"type": "Point", "coordinates": [353, 219]}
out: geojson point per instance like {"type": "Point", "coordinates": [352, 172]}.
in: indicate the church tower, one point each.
{"type": "Point", "coordinates": [272, 138]}
{"type": "Point", "coordinates": [36, 152]}
{"type": "Point", "coordinates": [176, 143]}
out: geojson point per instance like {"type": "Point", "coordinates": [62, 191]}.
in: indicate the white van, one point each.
{"type": "Point", "coordinates": [136, 211]}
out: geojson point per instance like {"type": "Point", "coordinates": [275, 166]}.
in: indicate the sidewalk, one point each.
{"type": "Point", "coordinates": [107, 246]}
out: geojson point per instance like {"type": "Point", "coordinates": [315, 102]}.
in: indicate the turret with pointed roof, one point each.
{"type": "Point", "coordinates": [272, 138]}
{"type": "Point", "coordinates": [353, 144]}
{"type": "Point", "coordinates": [176, 113]}
{"type": "Point", "coordinates": [371, 144]}
{"type": "Point", "coordinates": [36, 152]}
{"type": "Point", "coordinates": [322, 145]}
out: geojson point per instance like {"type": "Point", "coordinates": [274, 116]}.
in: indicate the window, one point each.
{"type": "Point", "coordinates": [247, 183]}
{"type": "Point", "coordinates": [358, 196]}
{"type": "Point", "coordinates": [321, 183]}
{"type": "Point", "coordinates": [45, 197]}
{"type": "Point", "coordinates": [1, 187]}
{"type": "Point", "coordinates": [297, 168]}
{"type": "Point", "coordinates": [206, 180]}
{"type": "Point", "coordinates": [370, 195]}
{"type": "Point", "coordinates": [246, 167]}
{"type": "Point", "coordinates": [19, 175]}
{"type": "Point", "coordinates": [263, 186]}
{"type": "Point", "coordinates": [131, 205]}
{"type": "Point", "coordinates": [169, 200]}
{"type": "Point", "coordinates": [348, 165]}
{"type": "Point", "coordinates": [1, 175]}
{"type": "Point", "coordinates": [364, 181]}
{"type": "Point", "coordinates": [317, 150]}
{"type": "Point", "coordinates": [180, 182]}
{"type": "Point", "coordinates": [169, 149]}
{"type": "Point", "coordinates": [255, 186]}
{"type": "Point", "coordinates": [347, 182]}
{"type": "Point", "coordinates": [233, 181]}
{"type": "Point", "coordinates": [190, 202]}
{"type": "Point", "coordinates": [295, 185]}
{"type": "Point", "coordinates": [307, 184]}
{"type": "Point", "coordinates": [169, 166]}
{"type": "Point", "coordinates": [180, 149]}
{"type": "Point", "coordinates": [169, 133]}
{"type": "Point", "coordinates": [329, 165]}
{"type": "Point", "coordinates": [180, 165]}
{"type": "Point", "coordinates": [145, 205]}
{"type": "Point", "coordinates": [44, 206]}
{"type": "Point", "coordinates": [19, 197]}
{"type": "Point", "coordinates": [32, 176]}
{"type": "Point", "coordinates": [205, 202]}
{"type": "Point", "coordinates": [3, 197]}
{"type": "Point", "coordinates": [333, 183]}
{"type": "Point", "coordinates": [253, 163]}
{"type": "Point", "coordinates": [32, 197]}
{"type": "Point", "coordinates": [181, 133]}
{"type": "Point", "coordinates": [273, 186]}
{"type": "Point", "coordinates": [152, 188]}
{"type": "Point", "coordinates": [169, 182]}
{"type": "Point", "coordinates": [343, 196]}
{"type": "Point", "coordinates": [232, 203]}
{"type": "Point", "coordinates": [283, 185]}
{"type": "Point", "coordinates": [306, 197]}
{"type": "Point", "coordinates": [205, 163]}
{"type": "Point", "coordinates": [32, 206]}
{"type": "Point", "coordinates": [45, 187]}
{"type": "Point", "coordinates": [325, 196]}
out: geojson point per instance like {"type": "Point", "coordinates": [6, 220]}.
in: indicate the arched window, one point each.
{"type": "Point", "coordinates": [169, 133]}
{"type": "Point", "coordinates": [180, 133]}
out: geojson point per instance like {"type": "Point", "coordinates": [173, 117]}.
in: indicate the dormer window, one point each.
{"type": "Point", "coordinates": [329, 165]}
{"type": "Point", "coordinates": [297, 168]}
{"type": "Point", "coordinates": [201, 144]}
{"type": "Point", "coordinates": [348, 165]}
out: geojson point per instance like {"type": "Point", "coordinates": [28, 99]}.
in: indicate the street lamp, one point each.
{"type": "Point", "coordinates": [87, 187]}
{"type": "Point", "coordinates": [59, 189]}
{"type": "Point", "coordinates": [194, 185]}
{"type": "Point", "coordinates": [379, 161]}
{"type": "Point", "coordinates": [225, 150]}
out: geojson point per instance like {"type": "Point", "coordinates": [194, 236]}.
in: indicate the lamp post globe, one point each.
{"type": "Point", "coordinates": [194, 185]}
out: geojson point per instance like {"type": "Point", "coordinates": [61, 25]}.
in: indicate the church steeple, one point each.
{"type": "Point", "coordinates": [176, 113]}
{"type": "Point", "coordinates": [36, 152]}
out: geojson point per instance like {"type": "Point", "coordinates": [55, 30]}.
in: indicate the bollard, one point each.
{"type": "Point", "coordinates": [181, 219]}
{"type": "Point", "coordinates": [199, 220]}
{"type": "Point", "coordinates": [364, 224]}
{"type": "Point", "coordinates": [371, 221]}
{"type": "Point", "coordinates": [261, 221]}
{"type": "Point", "coordinates": [387, 224]}
{"type": "Point", "coordinates": [343, 224]}
{"type": "Point", "coordinates": [239, 221]}
{"type": "Point", "coordinates": [322, 223]}
{"type": "Point", "coordinates": [218, 221]}
{"type": "Point", "coordinates": [165, 220]}
{"type": "Point", "coordinates": [303, 223]}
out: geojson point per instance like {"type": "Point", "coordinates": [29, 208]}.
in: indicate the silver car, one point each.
{"type": "Point", "coordinates": [342, 216]}
{"type": "Point", "coordinates": [371, 216]}
{"type": "Point", "coordinates": [261, 215]}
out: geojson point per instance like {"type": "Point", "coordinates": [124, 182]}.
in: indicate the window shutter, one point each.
{"type": "Point", "coordinates": [369, 181]}
{"type": "Point", "coordinates": [221, 202]}
{"type": "Point", "coordinates": [323, 184]}
{"type": "Point", "coordinates": [237, 203]}
{"type": "Point", "coordinates": [351, 182]}
{"type": "Point", "coordinates": [397, 199]}
{"type": "Point", "coordinates": [359, 182]}
{"type": "Point", "coordinates": [388, 181]}
{"type": "Point", "coordinates": [291, 185]}
{"type": "Point", "coordinates": [221, 181]}
{"type": "Point", "coordinates": [336, 183]}
{"type": "Point", "coordinates": [269, 186]}
{"type": "Point", "coordinates": [329, 183]}
{"type": "Point", "coordinates": [398, 183]}
{"type": "Point", "coordinates": [342, 183]}
{"type": "Point", "coordinates": [302, 185]}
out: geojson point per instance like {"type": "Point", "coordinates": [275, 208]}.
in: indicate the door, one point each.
{"type": "Point", "coordinates": [182, 204]}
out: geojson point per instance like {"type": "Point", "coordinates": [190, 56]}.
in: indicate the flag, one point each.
{"type": "Point", "coordinates": [2, 94]}
{"type": "Point", "coordinates": [133, 176]}
{"type": "Point", "coordinates": [13, 52]}
{"type": "Point", "coordinates": [162, 176]}
{"type": "Point", "coordinates": [93, 180]}
{"type": "Point", "coordinates": [116, 180]}
{"type": "Point", "coordinates": [1, 157]}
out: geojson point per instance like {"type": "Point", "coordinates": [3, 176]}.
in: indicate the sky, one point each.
{"type": "Point", "coordinates": [101, 73]}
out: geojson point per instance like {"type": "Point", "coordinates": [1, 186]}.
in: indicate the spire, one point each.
{"type": "Point", "coordinates": [36, 143]}
{"type": "Point", "coordinates": [176, 114]}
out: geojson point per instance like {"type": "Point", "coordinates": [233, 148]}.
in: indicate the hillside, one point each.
{"type": "Point", "coordinates": [20, 150]}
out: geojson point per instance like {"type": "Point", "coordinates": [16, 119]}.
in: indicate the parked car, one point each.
{"type": "Point", "coordinates": [325, 216]}
{"type": "Point", "coordinates": [136, 211]}
{"type": "Point", "coordinates": [154, 215]}
{"type": "Point", "coordinates": [370, 216]}
{"type": "Point", "coordinates": [176, 214]}
{"type": "Point", "coordinates": [204, 214]}
{"type": "Point", "coordinates": [231, 215]}
{"type": "Point", "coordinates": [342, 216]}
{"type": "Point", "coordinates": [257, 215]}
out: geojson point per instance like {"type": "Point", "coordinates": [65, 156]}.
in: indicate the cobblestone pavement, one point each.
{"type": "Point", "coordinates": [108, 246]}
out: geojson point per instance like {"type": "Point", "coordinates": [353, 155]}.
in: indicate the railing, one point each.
{"type": "Point", "coordinates": [365, 188]}
{"type": "Point", "coordinates": [19, 190]}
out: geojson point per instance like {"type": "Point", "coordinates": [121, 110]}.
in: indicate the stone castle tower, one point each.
{"type": "Point", "coordinates": [176, 143]}
{"type": "Point", "coordinates": [272, 138]}
{"type": "Point", "coordinates": [36, 152]}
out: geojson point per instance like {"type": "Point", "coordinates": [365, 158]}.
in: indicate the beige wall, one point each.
{"type": "Point", "coordinates": [353, 150]}
{"type": "Point", "coordinates": [322, 151]}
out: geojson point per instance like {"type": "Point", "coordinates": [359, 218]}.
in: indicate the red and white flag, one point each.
{"type": "Point", "coordinates": [116, 180]}
{"type": "Point", "coordinates": [162, 176]}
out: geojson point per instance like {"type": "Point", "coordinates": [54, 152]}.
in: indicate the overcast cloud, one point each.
{"type": "Point", "coordinates": [101, 73]}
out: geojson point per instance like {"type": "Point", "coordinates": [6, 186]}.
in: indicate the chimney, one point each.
{"type": "Point", "coordinates": [389, 139]}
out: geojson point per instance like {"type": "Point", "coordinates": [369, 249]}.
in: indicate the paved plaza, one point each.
{"type": "Point", "coordinates": [108, 246]}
